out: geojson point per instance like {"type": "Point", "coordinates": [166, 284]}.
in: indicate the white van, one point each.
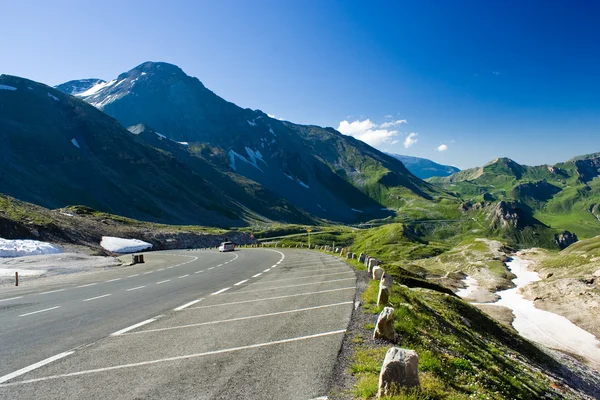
{"type": "Point", "coordinates": [227, 246]}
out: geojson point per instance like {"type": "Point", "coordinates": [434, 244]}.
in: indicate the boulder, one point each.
{"type": "Point", "coordinates": [372, 264]}
{"type": "Point", "coordinates": [377, 273]}
{"type": "Point", "coordinates": [385, 325]}
{"type": "Point", "coordinates": [348, 256]}
{"type": "Point", "coordinates": [564, 239]}
{"type": "Point", "coordinates": [385, 287]}
{"type": "Point", "coordinates": [354, 256]}
{"type": "Point", "coordinates": [361, 258]}
{"type": "Point", "coordinates": [597, 274]}
{"type": "Point", "coordinates": [400, 370]}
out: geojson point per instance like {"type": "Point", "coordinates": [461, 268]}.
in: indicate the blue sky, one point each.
{"type": "Point", "coordinates": [481, 79]}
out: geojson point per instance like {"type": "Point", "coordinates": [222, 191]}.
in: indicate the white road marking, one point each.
{"type": "Point", "coordinates": [89, 284]}
{"type": "Point", "coordinates": [135, 288]}
{"type": "Point", "coordinates": [186, 305]}
{"type": "Point", "coordinates": [148, 272]}
{"type": "Point", "coordinates": [131, 276]}
{"type": "Point", "coordinates": [166, 280]}
{"type": "Point", "coordinates": [37, 365]}
{"type": "Point", "coordinates": [162, 269]}
{"type": "Point", "coordinates": [177, 358]}
{"type": "Point", "coordinates": [273, 298]}
{"type": "Point", "coordinates": [39, 311]}
{"type": "Point", "coordinates": [197, 272]}
{"type": "Point", "coordinates": [114, 280]}
{"type": "Point", "coordinates": [12, 298]}
{"type": "Point", "coordinates": [301, 284]}
{"type": "Point", "coordinates": [267, 270]}
{"type": "Point", "coordinates": [132, 327]}
{"type": "Point", "coordinates": [53, 291]}
{"type": "Point", "coordinates": [210, 268]}
{"type": "Point", "coordinates": [244, 318]}
{"type": "Point", "coordinates": [97, 297]}
{"type": "Point", "coordinates": [257, 275]}
{"type": "Point", "coordinates": [221, 291]}
{"type": "Point", "coordinates": [184, 276]}
{"type": "Point", "coordinates": [241, 282]}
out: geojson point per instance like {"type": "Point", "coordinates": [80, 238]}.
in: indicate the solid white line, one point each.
{"type": "Point", "coordinates": [183, 276]}
{"type": "Point", "coordinates": [221, 291]}
{"type": "Point", "coordinates": [244, 318]}
{"type": "Point", "coordinates": [267, 270]}
{"type": "Point", "coordinates": [197, 272]}
{"type": "Point", "coordinates": [131, 276]}
{"type": "Point", "coordinates": [257, 275]}
{"type": "Point", "coordinates": [177, 358]}
{"type": "Point", "coordinates": [39, 311]}
{"type": "Point", "coordinates": [12, 298]}
{"type": "Point", "coordinates": [53, 291]}
{"type": "Point", "coordinates": [166, 280]}
{"type": "Point", "coordinates": [30, 368]}
{"type": "Point", "coordinates": [89, 284]}
{"type": "Point", "coordinates": [272, 298]}
{"type": "Point", "coordinates": [114, 280]}
{"type": "Point", "coordinates": [97, 297]}
{"type": "Point", "coordinates": [135, 288]}
{"type": "Point", "coordinates": [301, 284]}
{"type": "Point", "coordinates": [241, 282]}
{"type": "Point", "coordinates": [132, 327]}
{"type": "Point", "coordinates": [186, 305]}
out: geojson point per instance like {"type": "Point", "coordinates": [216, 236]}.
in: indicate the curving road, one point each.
{"type": "Point", "coordinates": [255, 324]}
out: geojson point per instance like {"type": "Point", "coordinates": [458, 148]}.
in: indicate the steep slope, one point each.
{"type": "Point", "coordinates": [320, 170]}
{"type": "Point", "coordinates": [78, 86]}
{"type": "Point", "coordinates": [424, 168]}
{"type": "Point", "coordinates": [562, 196]}
{"type": "Point", "coordinates": [57, 150]}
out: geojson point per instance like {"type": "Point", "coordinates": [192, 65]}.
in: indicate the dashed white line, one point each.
{"type": "Point", "coordinates": [184, 276]}
{"type": "Point", "coordinates": [186, 305]}
{"type": "Point", "coordinates": [39, 311]}
{"type": "Point", "coordinates": [89, 284]}
{"type": "Point", "coordinates": [210, 268]}
{"type": "Point", "coordinates": [165, 281]}
{"type": "Point", "coordinates": [114, 280]}
{"type": "Point", "coordinates": [162, 269]}
{"type": "Point", "coordinates": [30, 368]}
{"type": "Point", "coordinates": [257, 275]}
{"type": "Point", "coordinates": [267, 270]}
{"type": "Point", "coordinates": [221, 291]}
{"type": "Point", "coordinates": [197, 272]}
{"type": "Point", "coordinates": [97, 297]}
{"type": "Point", "coordinates": [241, 282]}
{"type": "Point", "coordinates": [135, 288]}
{"type": "Point", "coordinates": [132, 327]}
{"type": "Point", "coordinates": [177, 358]}
{"type": "Point", "coordinates": [131, 276]}
{"type": "Point", "coordinates": [12, 298]}
{"type": "Point", "coordinates": [148, 272]}
{"type": "Point", "coordinates": [53, 291]}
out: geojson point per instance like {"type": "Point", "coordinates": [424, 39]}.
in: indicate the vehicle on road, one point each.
{"type": "Point", "coordinates": [227, 246]}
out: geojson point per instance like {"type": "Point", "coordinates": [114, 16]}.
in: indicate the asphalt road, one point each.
{"type": "Point", "coordinates": [251, 324]}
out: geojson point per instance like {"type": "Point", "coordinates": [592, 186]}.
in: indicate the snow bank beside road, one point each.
{"type": "Point", "coordinates": [20, 248]}
{"type": "Point", "coordinates": [120, 245]}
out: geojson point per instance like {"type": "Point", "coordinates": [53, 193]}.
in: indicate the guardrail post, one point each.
{"type": "Point", "coordinates": [16, 278]}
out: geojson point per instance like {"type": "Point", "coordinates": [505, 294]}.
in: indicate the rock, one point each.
{"type": "Point", "coordinates": [387, 280]}
{"type": "Point", "coordinates": [549, 275]}
{"type": "Point", "coordinates": [400, 370]}
{"type": "Point", "coordinates": [377, 273]}
{"type": "Point", "coordinates": [367, 258]}
{"type": "Point", "coordinates": [356, 305]}
{"type": "Point", "coordinates": [565, 239]}
{"type": "Point", "coordinates": [465, 321]}
{"type": "Point", "coordinates": [385, 325]}
{"type": "Point", "coordinates": [385, 287]}
{"type": "Point", "coordinates": [373, 263]}
{"type": "Point", "coordinates": [597, 274]}
{"type": "Point", "coordinates": [588, 280]}
{"type": "Point", "coordinates": [353, 256]}
{"type": "Point", "coordinates": [349, 256]}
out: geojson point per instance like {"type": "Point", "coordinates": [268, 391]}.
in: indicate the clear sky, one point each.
{"type": "Point", "coordinates": [476, 79]}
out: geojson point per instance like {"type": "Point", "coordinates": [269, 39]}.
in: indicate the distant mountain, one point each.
{"type": "Point", "coordinates": [57, 150]}
{"type": "Point", "coordinates": [424, 168]}
{"type": "Point", "coordinates": [78, 86]}
{"type": "Point", "coordinates": [319, 170]}
{"type": "Point", "coordinates": [563, 196]}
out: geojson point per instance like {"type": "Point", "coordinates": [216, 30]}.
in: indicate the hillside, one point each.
{"type": "Point", "coordinates": [319, 170]}
{"type": "Point", "coordinates": [563, 196]}
{"type": "Point", "coordinates": [57, 150]}
{"type": "Point", "coordinates": [424, 168]}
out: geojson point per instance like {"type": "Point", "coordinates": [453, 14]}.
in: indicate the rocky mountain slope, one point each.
{"type": "Point", "coordinates": [424, 168]}
{"type": "Point", "coordinates": [57, 150]}
{"type": "Point", "coordinates": [319, 170]}
{"type": "Point", "coordinates": [561, 196]}
{"type": "Point", "coordinates": [78, 86]}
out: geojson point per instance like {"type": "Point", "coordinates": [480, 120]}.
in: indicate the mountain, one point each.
{"type": "Point", "coordinates": [424, 168]}
{"type": "Point", "coordinates": [78, 86]}
{"type": "Point", "coordinates": [319, 170]}
{"type": "Point", "coordinates": [562, 196]}
{"type": "Point", "coordinates": [57, 150]}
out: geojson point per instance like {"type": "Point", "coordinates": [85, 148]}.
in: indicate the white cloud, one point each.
{"type": "Point", "coordinates": [386, 125]}
{"type": "Point", "coordinates": [410, 139]}
{"type": "Point", "coordinates": [368, 132]}
{"type": "Point", "coordinates": [442, 147]}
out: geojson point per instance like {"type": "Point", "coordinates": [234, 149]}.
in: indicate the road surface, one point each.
{"type": "Point", "coordinates": [249, 324]}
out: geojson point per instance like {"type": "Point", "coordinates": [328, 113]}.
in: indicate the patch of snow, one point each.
{"type": "Point", "coordinates": [304, 185]}
{"type": "Point", "coordinates": [143, 73]}
{"type": "Point", "coordinates": [67, 214]}
{"type": "Point", "coordinates": [355, 210]}
{"type": "Point", "coordinates": [6, 87]}
{"type": "Point", "coordinates": [262, 144]}
{"type": "Point", "coordinates": [233, 154]}
{"type": "Point", "coordinates": [120, 245]}
{"type": "Point", "coordinates": [160, 136]}
{"type": "Point", "coordinates": [232, 160]}
{"type": "Point", "coordinates": [10, 272]}
{"type": "Point", "coordinates": [387, 209]}
{"type": "Point", "coordinates": [471, 285]}
{"type": "Point", "coordinates": [29, 87]}
{"type": "Point", "coordinates": [74, 141]}
{"type": "Point", "coordinates": [53, 97]}
{"type": "Point", "coordinates": [289, 176]}
{"type": "Point", "coordinates": [318, 205]}
{"type": "Point", "coordinates": [273, 141]}
{"type": "Point", "coordinates": [94, 89]}
{"type": "Point", "coordinates": [251, 123]}
{"type": "Point", "coordinates": [183, 143]}
{"type": "Point", "coordinates": [271, 130]}
{"type": "Point", "coordinates": [254, 155]}
{"type": "Point", "coordinates": [20, 248]}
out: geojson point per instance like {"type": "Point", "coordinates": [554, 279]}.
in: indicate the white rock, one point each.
{"type": "Point", "coordinates": [385, 325]}
{"type": "Point", "coordinates": [377, 273]}
{"type": "Point", "coordinates": [400, 370]}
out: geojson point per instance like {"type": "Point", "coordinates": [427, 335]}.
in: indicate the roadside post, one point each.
{"type": "Point", "coordinates": [16, 278]}
{"type": "Point", "coordinates": [308, 232]}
